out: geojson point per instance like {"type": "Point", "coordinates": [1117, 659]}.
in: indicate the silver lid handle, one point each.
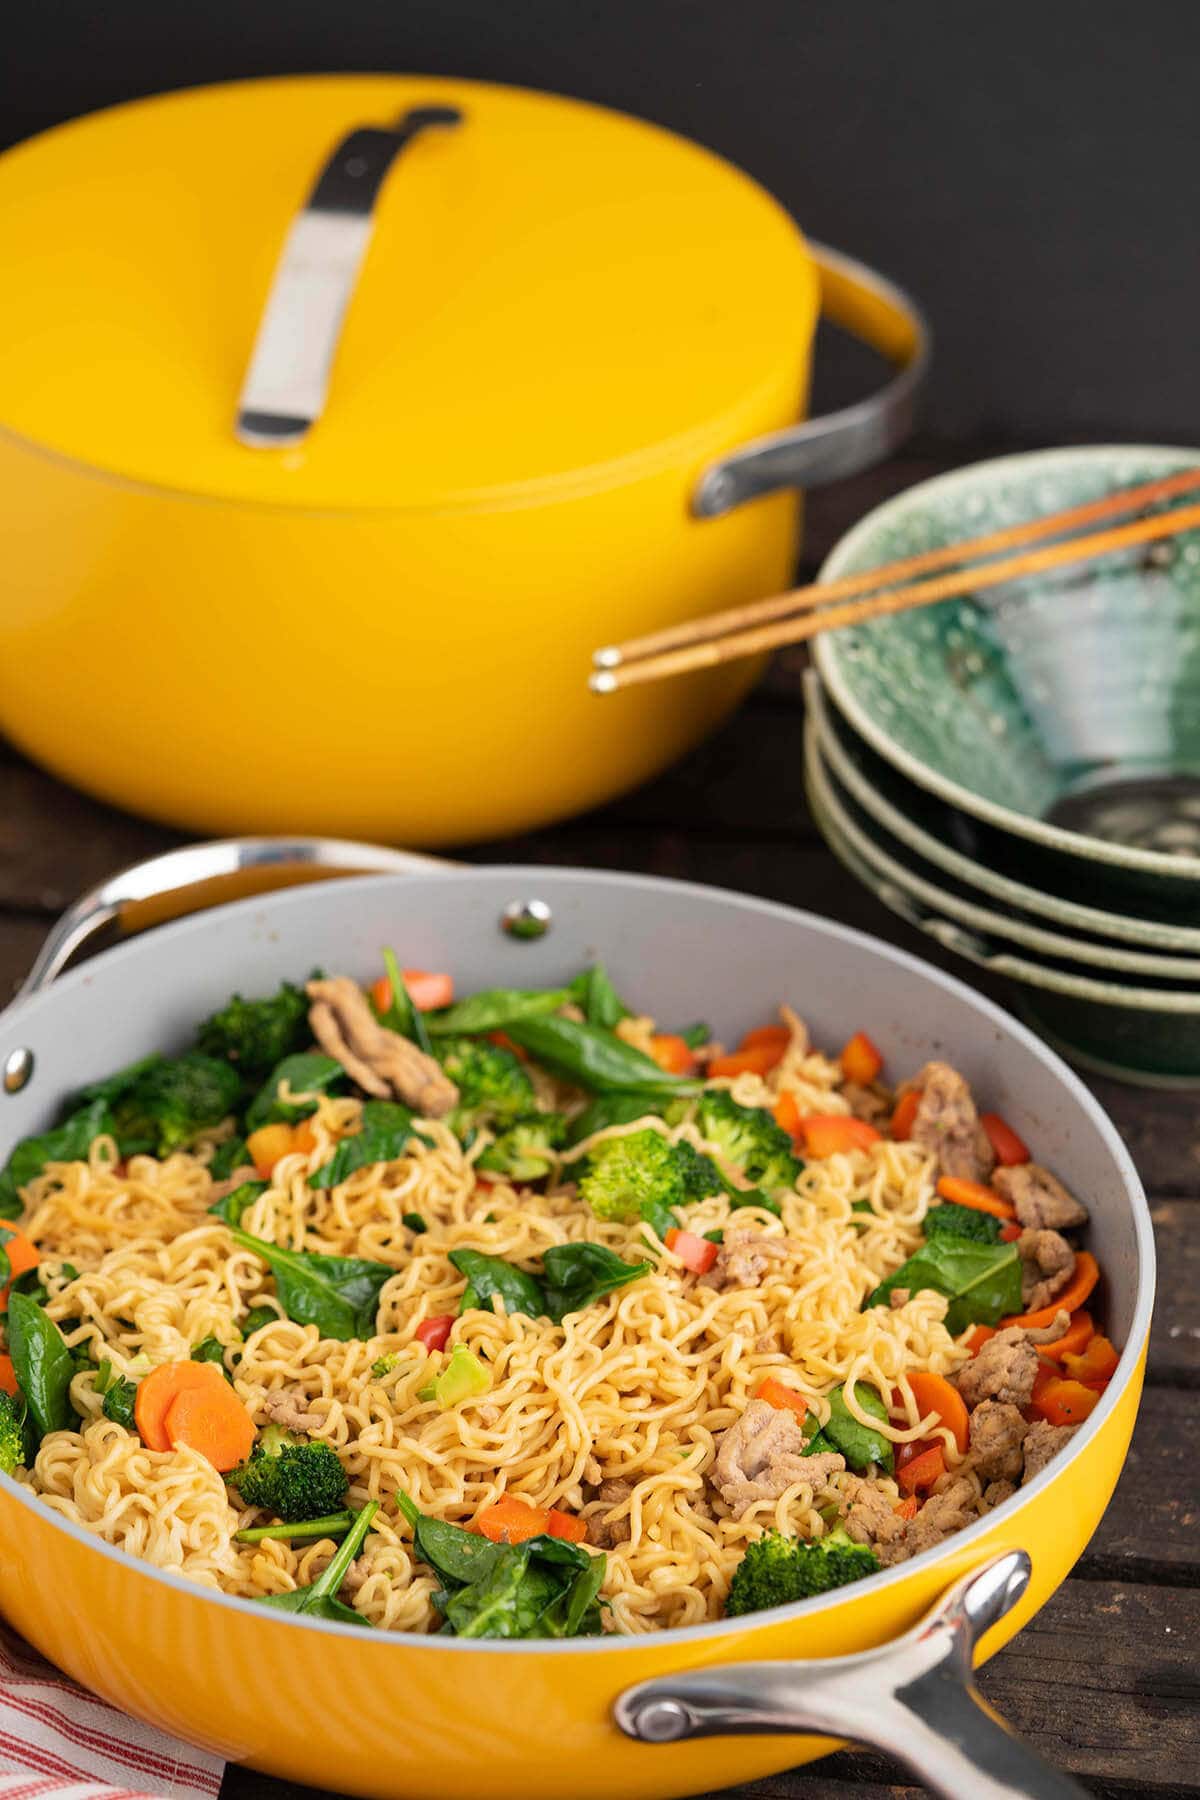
{"type": "Point", "coordinates": [914, 1698]}
{"type": "Point", "coordinates": [288, 379]}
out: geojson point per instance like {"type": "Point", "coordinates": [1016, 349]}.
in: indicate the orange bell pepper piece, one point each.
{"type": "Point", "coordinates": [566, 1525]}
{"type": "Point", "coordinates": [1064, 1402]}
{"type": "Point", "coordinates": [759, 1059]}
{"type": "Point", "coordinates": [1084, 1277]}
{"type": "Point", "coordinates": [1074, 1339]}
{"type": "Point", "coordinates": [512, 1520]}
{"type": "Point", "coordinates": [1097, 1363]}
{"type": "Point", "coordinates": [905, 1114]}
{"type": "Point", "coordinates": [827, 1134]}
{"type": "Point", "coordinates": [861, 1061]}
{"type": "Point", "coordinates": [975, 1195]}
{"type": "Point", "coordinates": [920, 1472]}
{"type": "Point", "coordinates": [787, 1114]}
{"type": "Point", "coordinates": [695, 1252]}
{"type": "Point", "coordinates": [783, 1399]}
{"type": "Point", "coordinates": [1007, 1147]}
{"type": "Point", "coordinates": [672, 1053]}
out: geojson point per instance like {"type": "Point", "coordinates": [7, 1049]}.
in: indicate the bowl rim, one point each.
{"type": "Point", "coordinates": [612, 1645]}
{"type": "Point", "coordinates": [985, 473]}
{"type": "Point", "coordinates": [1121, 926]}
{"type": "Point", "coordinates": [886, 871]}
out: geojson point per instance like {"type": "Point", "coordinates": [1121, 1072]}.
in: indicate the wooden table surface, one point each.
{"type": "Point", "coordinates": [1105, 1680]}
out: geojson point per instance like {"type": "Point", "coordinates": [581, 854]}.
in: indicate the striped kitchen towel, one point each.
{"type": "Point", "coordinates": [57, 1740]}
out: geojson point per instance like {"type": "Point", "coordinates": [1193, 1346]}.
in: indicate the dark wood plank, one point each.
{"type": "Point", "coordinates": [1151, 1531]}
{"type": "Point", "coordinates": [1175, 1333]}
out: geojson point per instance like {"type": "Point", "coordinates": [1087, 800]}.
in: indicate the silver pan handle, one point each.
{"type": "Point", "coordinates": [203, 875]}
{"type": "Point", "coordinates": [914, 1698]}
{"type": "Point", "coordinates": [842, 443]}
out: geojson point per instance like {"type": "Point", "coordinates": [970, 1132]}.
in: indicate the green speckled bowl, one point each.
{"type": "Point", "coordinates": [1063, 712]}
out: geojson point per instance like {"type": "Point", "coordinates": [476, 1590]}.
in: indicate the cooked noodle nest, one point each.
{"type": "Point", "coordinates": [637, 1386]}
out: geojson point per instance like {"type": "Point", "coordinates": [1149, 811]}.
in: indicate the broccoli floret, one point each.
{"type": "Point", "coordinates": [12, 1432]}
{"type": "Point", "coordinates": [776, 1570]}
{"type": "Point", "coordinates": [173, 1101]}
{"type": "Point", "coordinates": [749, 1137]}
{"type": "Point", "coordinates": [700, 1173]}
{"type": "Point", "coordinates": [622, 1176]}
{"type": "Point", "coordinates": [293, 1477]}
{"type": "Point", "coordinates": [493, 1088]}
{"type": "Point", "coordinates": [257, 1034]}
{"type": "Point", "coordinates": [950, 1220]}
{"type": "Point", "coordinates": [521, 1151]}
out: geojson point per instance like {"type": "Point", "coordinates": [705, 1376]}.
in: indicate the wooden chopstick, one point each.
{"type": "Point", "coordinates": [722, 625]}
{"type": "Point", "coordinates": [794, 630]}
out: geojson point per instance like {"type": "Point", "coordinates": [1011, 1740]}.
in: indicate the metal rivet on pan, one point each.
{"type": "Point", "coordinates": [661, 1721]}
{"type": "Point", "coordinates": [18, 1067]}
{"type": "Point", "coordinates": [526, 918]}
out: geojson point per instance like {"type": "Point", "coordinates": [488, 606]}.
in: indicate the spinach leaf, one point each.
{"type": "Point", "coordinates": [402, 1016]}
{"type": "Point", "coordinates": [319, 1599]}
{"type": "Point", "coordinates": [456, 1555]}
{"type": "Point", "coordinates": [42, 1363]}
{"type": "Point", "coordinates": [414, 1221]}
{"type": "Point", "coordinates": [494, 1010]}
{"type": "Point", "coordinates": [610, 1109]}
{"type": "Point", "coordinates": [817, 1443]}
{"type": "Point", "coordinates": [227, 1157]}
{"type": "Point", "coordinates": [234, 1204]}
{"type": "Point", "coordinates": [594, 1058]}
{"type": "Point", "coordinates": [119, 1398]}
{"type": "Point", "coordinates": [256, 1318]}
{"type": "Point", "coordinates": [309, 1072]}
{"type": "Point", "coordinates": [387, 1130]}
{"type": "Point", "coordinates": [212, 1350]}
{"type": "Point", "coordinates": [581, 1617]}
{"type": "Point", "coordinates": [576, 1274]}
{"type": "Point", "coordinates": [68, 1142]}
{"type": "Point", "coordinates": [595, 994]}
{"type": "Point", "coordinates": [491, 1275]}
{"type": "Point", "coordinates": [858, 1443]}
{"type": "Point", "coordinates": [337, 1294]}
{"type": "Point", "coordinates": [696, 1036]}
{"type": "Point", "coordinates": [981, 1281]}
{"type": "Point", "coordinates": [508, 1601]}
{"type": "Point", "coordinates": [114, 1086]}
{"type": "Point", "coordinates": [660, 1217]}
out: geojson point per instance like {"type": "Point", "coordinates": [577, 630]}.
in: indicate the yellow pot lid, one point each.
{"type": "Point", "coordinates": [553, 294]}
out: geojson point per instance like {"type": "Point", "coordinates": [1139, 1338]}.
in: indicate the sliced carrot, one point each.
{"type": "Point", "coordinates": [760, 1059]}
{"type": "Point", "coordinates": [304, 1137]}
{"type": "Point", "coordinates": [426, 991]}
{"type": "Point", "coordinates": [511, 1521]}
{"type": "Point", "coordinates": [861, 1061]}
{"type": "Point", "coordinates": [8, 1376]}
{"type": "Point", "coordinates": [1084, 1277]}
{"type": "Point", "coordinates": [787, 1114]}
{"type": "Point", "coordinates": [1097, 1363]}
{"type": "Point", "coordinates": [1062, 1402]}
{"type": "Point", "coordinates": [934, 1394]}
{"type": "Point", "coordinates": [907, 1509]}
{"type": "Point", "coordinates": [212, 1421]}
{"type": "Point", "coordinates": [23, 1255]}
{"type": "Point", "coordinates": [905, 1114]}
{"type": "Point", "coordinates": [566, 1525]}
{"type": "Point", "coordinates": [266, 1145]}
{"type": "Point", "coordinates": [783, 1399]}
{"type": "Point", "coordinates": [695, 1253]}
{"type": "Point", "coordinates": [672, 1053]}
{"type": "Point", "coordinates": [1007, 1147]}
{"type": "Point", "coordinates": [920, 1474]}
{"type": "Point", "coordinates": [158, 1390]}
{"type": "Point", "coordinates": [976, 1196]}
{"type": "Point", "coordinates": [1074, 1339]}
{"type": "Point", "coordinates": [826, 1134]}
{"type": "Point", "coordinates": [979, 1338]}
{"type": "Point", "coordinates": [777, 1037]}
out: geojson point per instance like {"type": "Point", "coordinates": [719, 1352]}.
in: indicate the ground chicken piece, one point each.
{"type": "Point", "coordinates": [762, 1455]}
{"type": "Point", "coordinates": [355, 1576]}
{"type": "Point", "coordinates": [1041, 1443]}
{"type": "Point", "coordinates": [604, 1533]}
{"type": "Point", "coordinates": [874, 1104]}
{"type": "Point", "coordinates": [871, 1518]}
{"type": "Point", "coordinates": [899, 1297]}
{"type": "Point", "coordinates": [941, 1514]}
{"type": "Point", "coordinates": [996, 1492]}
{"type": "Point", "coordinates": [744, 1258]}
{"type": "Point", "coordinates": [997, 1434]}
{"type": "Point", "coordinates": [1003, 1369]}
{"type": "Point", "coordinates": [381, 1061]}
{"type": "Point", "coordinates": [1040, 1199]}
{"type": "Point", "coordinates": [289, 1407]}
{"type": "Point", "coordinates": [947, 1123]}
{"type": "Point", "coordinates": [1049, 1334]}
{"type": "Point", "coordinates": [1047, 1261]}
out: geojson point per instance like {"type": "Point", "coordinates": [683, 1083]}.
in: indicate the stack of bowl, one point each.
{"type": "Point", "coordinates": [1018, 773]}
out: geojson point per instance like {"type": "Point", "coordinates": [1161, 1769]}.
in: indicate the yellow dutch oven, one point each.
{"type": "Point", "coordinates": [386, 1714]}
{"type": "Point", "coordinates": [342, 417]}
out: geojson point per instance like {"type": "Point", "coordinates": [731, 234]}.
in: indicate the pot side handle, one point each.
{"type": "Point", "coordinates": [840, 443]}
{"type": "Point", "coordinates": [914, 1698]}
{"type": "Point", "coordinates": [203, 875]}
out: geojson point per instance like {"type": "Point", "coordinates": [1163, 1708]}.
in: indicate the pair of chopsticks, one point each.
{"type": "Point", "coordinates": [791, 618]}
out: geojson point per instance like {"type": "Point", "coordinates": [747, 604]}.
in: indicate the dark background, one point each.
{"type": "Point", "coordinates": [1028, 168]}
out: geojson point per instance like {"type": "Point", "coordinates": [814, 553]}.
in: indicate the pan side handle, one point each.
{"type": "Point", "coordinates": [202, 875]}
{"type": "Point", "coordinates": [914, 1698]}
